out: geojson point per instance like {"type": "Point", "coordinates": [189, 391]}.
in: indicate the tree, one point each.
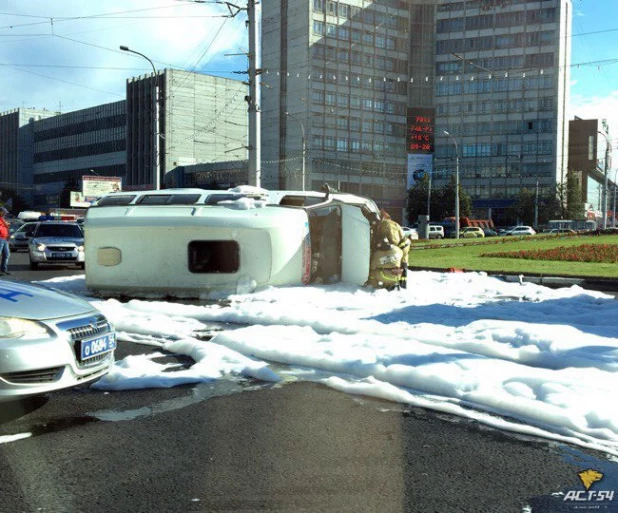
{"type": "Point", "coordinates": [416, 204]}
{"type": "Point", "coordinates": [442, 201]}
{"type": "Point", "coordinates": [446, 198]}
{"type": "Point", "coordinates": [65, 195]}
{"type": "Point", "coordinates": [524, 207]}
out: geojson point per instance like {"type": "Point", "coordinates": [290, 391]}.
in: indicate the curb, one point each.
{"type": "Point", "coordinates": [588, 282]}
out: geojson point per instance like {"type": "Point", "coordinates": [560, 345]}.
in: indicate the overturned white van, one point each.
{"type": "Point", "coordinates": [190, 242]}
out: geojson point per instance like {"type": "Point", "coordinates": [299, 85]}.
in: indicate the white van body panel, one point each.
{"type": "Point", "coordinates": [152, 243]}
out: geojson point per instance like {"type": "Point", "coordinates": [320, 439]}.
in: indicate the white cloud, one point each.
{"type": "Point", "coordinates": [76, 50]}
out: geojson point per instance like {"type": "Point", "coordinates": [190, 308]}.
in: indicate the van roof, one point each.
{"type": "Point", "coordinates": [194, 196]}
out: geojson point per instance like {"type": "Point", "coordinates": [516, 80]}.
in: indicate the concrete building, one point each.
{"type": "Point", "coordinates": [351, 78]}
{"type": "Point", "coordinates": [16, 149]}
{"type": "Point", "coordinates": [68, 146]}
{"type": "Point", "coordinates": [202, 119]}
{"type": "Point", "coordinates": [502, 80]}
{"type": "Point", "coordinates": [335, 77]}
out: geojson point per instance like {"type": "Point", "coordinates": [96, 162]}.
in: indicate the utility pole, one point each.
{"type": "Point", "coordinates": [456, 183]}
{"type": "Point", "coordinates": [255, 139]}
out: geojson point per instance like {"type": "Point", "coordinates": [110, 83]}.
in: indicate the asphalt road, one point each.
{"type": "Point", "coordinates": [246, 446]}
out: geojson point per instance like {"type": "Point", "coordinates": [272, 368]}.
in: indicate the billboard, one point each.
{"type": "Point", "coordinates": [96, 186]}
{"type": "Point", "coordinates": [78, 200]}
{"type": "Point", "coordinates": [419, 165]}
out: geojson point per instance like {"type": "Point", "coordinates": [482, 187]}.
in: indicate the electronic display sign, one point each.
{"type": "Point", "coordinates": [421, 123]}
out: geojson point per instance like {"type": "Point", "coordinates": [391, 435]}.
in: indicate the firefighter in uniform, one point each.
{"type": "Point", "coordinates": [389, 258]}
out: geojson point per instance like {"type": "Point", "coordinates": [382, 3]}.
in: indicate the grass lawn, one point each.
{"type": "Point", "coordinates": [468, 256]}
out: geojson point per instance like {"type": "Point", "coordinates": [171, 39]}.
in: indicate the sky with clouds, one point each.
{"type": "Point", "coordinates": [64, 55]}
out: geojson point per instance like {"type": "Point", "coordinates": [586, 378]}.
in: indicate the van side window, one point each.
{"type": "Point", "coordinates": [113, 200]}
{"type": "Point", "coordinates": [214, 256]}
{"type": "Point", "coordinates": [325, 233]}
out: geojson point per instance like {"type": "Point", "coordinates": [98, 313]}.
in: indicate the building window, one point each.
{"type": "Point", "coordinates": [318, 27]}
{"type": "Point", "coordinates": [318, 5]}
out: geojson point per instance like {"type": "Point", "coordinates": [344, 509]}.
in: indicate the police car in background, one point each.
{"type": "Point", "coordinates": [49, 340]}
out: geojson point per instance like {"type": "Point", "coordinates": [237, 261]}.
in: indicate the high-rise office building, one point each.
{"type": "Point", "coordinates": [351, 78]}
{"type": "Point", "coordinates": [335, 79]}
{"type": "Point", "coordinates": [502, 81]}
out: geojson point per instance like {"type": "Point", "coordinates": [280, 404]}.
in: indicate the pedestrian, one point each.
{"type": "Point", "coordinates": [5, 251]}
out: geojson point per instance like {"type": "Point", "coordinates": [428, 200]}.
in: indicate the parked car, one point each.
{"type": "Point", "coordinates": [411, 233]}
{"type": "Point", "coordinates": [49, 341]}
{"type": "Point", "coordinates": [57, 242]}
{"type": "Point", "coordinates": [471, 232]}
{"type": "Point", "coordinates": [436, 231]}
{"type": "Point", "coordinates": [22, 236]}
{"type": "Point", "coordinates": [521, 230]}
{"type": "Point", "coordinates": [489, 232]}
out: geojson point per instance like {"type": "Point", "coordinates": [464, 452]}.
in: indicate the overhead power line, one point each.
{"type": "Point", "coordinates": [61, 19]}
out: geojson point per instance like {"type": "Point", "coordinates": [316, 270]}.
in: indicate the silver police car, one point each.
{"type": "Point", "coordinates": [57, 242]}
{"type": "Point", "coordinates": [50, 340]}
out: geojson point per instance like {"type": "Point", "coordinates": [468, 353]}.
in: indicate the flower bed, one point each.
{"type": "Point", "coordinates": [597, 253]}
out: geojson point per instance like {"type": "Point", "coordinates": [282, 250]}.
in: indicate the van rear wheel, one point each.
{"type": "Point", "coordinates": [34, 266]}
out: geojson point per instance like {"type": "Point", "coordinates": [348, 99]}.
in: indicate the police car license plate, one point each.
{"type": "Point", "coordinates": [61, 256]}
{"type": "Point", "coordinates": [97, 346]}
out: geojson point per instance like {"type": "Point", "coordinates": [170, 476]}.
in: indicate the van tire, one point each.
{"type": "Point", "coordinates": [34, 266]}
{"type": "Point", "coordinates": [439, 237]}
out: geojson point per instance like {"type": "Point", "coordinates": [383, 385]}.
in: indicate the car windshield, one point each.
{"type": "Point", "coordinates": [60, 231]}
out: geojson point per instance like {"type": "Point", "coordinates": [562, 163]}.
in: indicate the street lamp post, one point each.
{"type": "Point", "coordinates": [605, 186]}
{"type": "Point", "coordinates": [456, 184]}
{"type": "Point", "coordinates": [155, 138]}
{"type": "Point", "coordinates": [304, 147]}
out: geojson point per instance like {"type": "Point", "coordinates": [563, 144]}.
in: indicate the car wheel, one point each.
{"type": "Point", "coordinates": [34, 266]}
{"type": "Point", "coordinates": [82, 265]}
{"type": "Point", "coordinates": [439, 237]}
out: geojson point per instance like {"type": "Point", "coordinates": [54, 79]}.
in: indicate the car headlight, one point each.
{"type": "Point", "coordinates": [80, 249]}
{"type": "Point", "coordinates": [24, 329]}
{"type": "Point", "coordinates": [40, 247]}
